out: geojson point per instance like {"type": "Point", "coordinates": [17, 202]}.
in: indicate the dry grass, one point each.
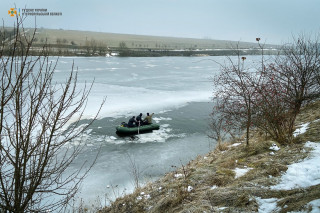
{"type": "Point", "coordinates": [310, 114]}
{"type": "Point", "coordinates": [215, 188]}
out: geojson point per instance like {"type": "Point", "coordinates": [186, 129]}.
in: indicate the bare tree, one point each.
{"type": "Point", "coordinates": [290, 81]}
{"type": "Point", "coordinates": [270, 96]}
{"type": "Point", "coordinates": [273, 108]}
{"type": "Point", "coordinates": [123, 49]}
{"type": "Point", "coordinates": [297, 70]}
{"type": "Point", "coordinates": [102, 47]}
{"type": "Point", "coordinates": [59, 41]}
{"type": "Point", "coordinates": [219, 127]}
{"type": "Point", "coordinates": [94, 46]}
{"type": "Point", "coordinates": [34, 111]}
{"type": "Point", "coordinates": [234, 94]}
{"type": "Point", "coordinates": [135, 171]}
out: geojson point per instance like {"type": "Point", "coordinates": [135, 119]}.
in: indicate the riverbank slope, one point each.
{"type": "Point", "coordinates": [264, 177]}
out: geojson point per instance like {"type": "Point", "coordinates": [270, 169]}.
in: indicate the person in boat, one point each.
{"type": "Point", "coordinates": [139, 120]}
{"type": "Point", "coordinates": [132, 122]}
{"type": "Point", "coordinates": [148, 120]}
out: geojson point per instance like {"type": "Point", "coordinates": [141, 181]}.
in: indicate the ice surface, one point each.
{"type": "Point", "coordinates": [161, 85]}
{"type": "Point", "coordinates": [157, 120]}
{"type": "Point", "coordinates": [132, 85]}
{"type": "Point", "coordinates": [160, 135]}
{"type": "Point", "coordinates": [303, 174]}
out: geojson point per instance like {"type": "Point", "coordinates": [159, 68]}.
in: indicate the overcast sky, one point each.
{"type": "Point", "coordinates": [240, 20]}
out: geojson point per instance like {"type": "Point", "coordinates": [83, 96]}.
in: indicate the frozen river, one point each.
{"type": "Point", "coordinates": [177, 89]}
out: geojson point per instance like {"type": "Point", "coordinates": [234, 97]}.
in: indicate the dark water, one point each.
{"type": "Point", "coordinates": [181, 137]}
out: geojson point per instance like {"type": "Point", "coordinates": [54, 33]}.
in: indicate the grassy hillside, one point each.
{"type": "Point", "coordinates": [135, 41]}
{"type": "Point", "coordinates": [213, 183]}
{"type": "Point", "coordinates": [72, 42]}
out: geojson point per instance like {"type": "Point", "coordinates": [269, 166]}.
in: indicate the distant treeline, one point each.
{"type": "Point", "coordinates": [6, 34]}
{"type": "Point", "coordinates": [158, 53]}
{"type": "Point", "coordinates": [69, 50]}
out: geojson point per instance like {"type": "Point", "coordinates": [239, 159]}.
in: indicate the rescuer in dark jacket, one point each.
{"type": "Point", "coordinates": [139, 120]}
{"type": "Point", "coordinates": [132, 121]}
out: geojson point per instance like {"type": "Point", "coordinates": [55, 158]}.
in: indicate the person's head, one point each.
{"type": "Point", "coordinates": [140, 114]}
{"type": "Point", "coordinates": [133, 116]}
{"type": "Point", "coordinates": [148, 113]}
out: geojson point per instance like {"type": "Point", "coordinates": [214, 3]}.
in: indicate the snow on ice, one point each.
{"type": "Point", "coordinates": [157, 120]}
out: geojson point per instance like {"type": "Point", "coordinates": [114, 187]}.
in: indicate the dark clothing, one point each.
{"type": "Point", "coordinates": [131, 122]}
{"type": "Point", "coordinates": [139, 120]}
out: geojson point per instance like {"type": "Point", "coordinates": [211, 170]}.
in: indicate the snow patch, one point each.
{"type": "Point", "coordinates": [190, 188]}
{"type": "Point", "coordinates": [178, 175]}
{"type": "Point", "coordinates": [222, 208]}
{"type": "Point", "coordinates": [214, 187]}
{"type": "Point", "coordinates": [240, 172]}
{"type": "Point", "coordinates": [147, 197]}
{"type": "Point", "coordinates": [315, 206]}
{"type": "Point", "coordinates": [235, 144]}
{"type": "Point", "coordinates": [303, 128]}
{"type": "Point", "coordinates": [274, 147]}
{"type": "Point", "coordinates": [303, 174]}
{"type": "Point", "coordinates": [267, 205]}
